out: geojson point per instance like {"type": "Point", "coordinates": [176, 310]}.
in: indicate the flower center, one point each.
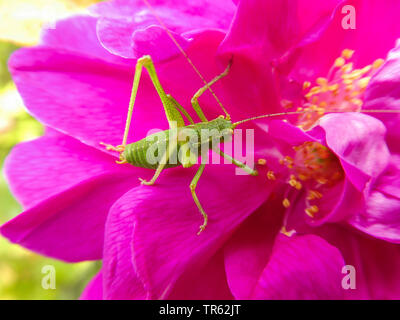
{"type": "Point", "coordinates": [313, 161]}
{"type": "Point", "coordinates": [341, 91]}
{"type": "Point", "coordinates": [315, 168]}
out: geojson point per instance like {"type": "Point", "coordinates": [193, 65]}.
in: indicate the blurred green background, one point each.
{"type": "Point", "coordinates": [21, 270]}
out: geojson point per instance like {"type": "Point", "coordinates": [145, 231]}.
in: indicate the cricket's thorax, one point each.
{"type": "Point", "coordinates": [147, 153]}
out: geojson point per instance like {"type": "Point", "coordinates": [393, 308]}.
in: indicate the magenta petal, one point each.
{"type": "Point", "coordinates": [69, 225]}
{"type": "Point", "coordinates": [273, 27]}
{"type": "Point", "coordinates": [377, 29]}
{"type": "Point", "coordinates": [277, 29]}
{"type": "Point", "coordinates": [94, 289]}
{"type": "Point", "coordinates": [383, 94]}
{"type": "Point", "coordinates": [121, 21]}
{"type": "Point", "coordinates": [94, 108]}
{"type": "Point", "coordinates": [155, 41]}
{"type": "Point", "coordinates": [250, 247]}
{"type": "Point", "coordinates": [124, 39]}
{"type": "Point", "coordinates": [376, 262]}
{"type": "Point", "coordinates": [301, 267]}
{"type": "Point", "coordinates": [54, 163]}
{"type": "Point", "coordinates": [207, 282]}
{"type": "Point", "coordinates": [359, 141]}
{"type": "Point", "coordinates": [290, 134]}
{"type": "Point", "coordinates": [314, 13]}
{"type": "Point", "coordinates": [380, 217]}
{"type": "Point", "coordinates": [120, 279]}
{"type": "Point", "coordinates": [165, 243]}
{"type": "Point", "coordinates": [78, 34]}
{"type": "Point", "coordinates": [375, 34]}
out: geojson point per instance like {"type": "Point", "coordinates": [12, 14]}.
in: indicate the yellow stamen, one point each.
{"type": "Point", "coordinates": [347, 67]}
{"type": "Point", "coordinates": [339, 62]}
{"type": "Point", "coordinates": [348, 81]}
{"type": "Point", "coordinates": [286, 203]}
{"type": "Point", "coordinates": [357, 102]}
{"type": "Point", "coordinates": [322, 82]}
{"type": "Point", "coordinates": [262, 162]}
{"type": "Point", "coordinates": [312, 194]}
{"type": "Point", "coordinates": [306, 85]}
{"type": "Point", "coordinates": [363, 82]}
{"type": "Point", "coordinates": [302, 177]}
{"type": "Point", "coordinates": [287, 233]}
{"type": "Point", "coordinates": [271, 175]}
{"type": "Point", "coordinates": [292, 183]}
{"type": "Point", "coordinates": [377, 63]}
{"type": "Point", "coordinates": [347, 53]}
{"type": "Point", "coordinates": [287, 104]}
{"type": "Point", "coordinates": [311, 211]}
{"type": "Point", "coordinates": [288, 159]}
{"type": "Point", "coordinates": [341, 90]}
{"type": "Point", "coordinates": [322, 180]}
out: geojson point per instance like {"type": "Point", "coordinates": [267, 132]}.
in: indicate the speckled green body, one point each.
{"type": "Point", "coordinates": [135, 153]}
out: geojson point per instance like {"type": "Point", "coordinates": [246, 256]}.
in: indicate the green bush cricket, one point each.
{"type": "Point", "coordinates": [136, 153]}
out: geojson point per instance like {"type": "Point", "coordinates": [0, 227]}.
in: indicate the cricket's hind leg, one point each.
{"type": "Point", "coordinates": [193, 186]}
{"type": "Point", "coordinates": [170, 106]}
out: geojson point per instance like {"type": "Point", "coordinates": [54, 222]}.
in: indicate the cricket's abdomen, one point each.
{"type": "Point", "coordinates": [144, 153]}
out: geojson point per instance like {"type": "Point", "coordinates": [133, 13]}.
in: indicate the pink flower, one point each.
{"type": "Point", "coordinates": [80, 205]}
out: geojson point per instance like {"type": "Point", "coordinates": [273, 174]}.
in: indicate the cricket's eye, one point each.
{"type": "Point", "coordinates": [342, 90]}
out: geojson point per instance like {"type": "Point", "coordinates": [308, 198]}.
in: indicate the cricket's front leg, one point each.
{"type": "Point", "coordinates": [237, 163]}
{"type": "Point", "coordinates": [195, 98]}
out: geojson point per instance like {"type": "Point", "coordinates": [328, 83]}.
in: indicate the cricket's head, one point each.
{"type": "Point", "coordinates": [222, 124]}
{"type": "Point", "coordinates": [220, 128]}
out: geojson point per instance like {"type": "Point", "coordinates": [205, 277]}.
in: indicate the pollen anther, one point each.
{"type": "Point", "coordinates": [311, 211]}
{"type": "Point", "coordinates": [271, 175]}
{"type": "Point", "coordinates": [378, 63]}
{"type": "Point", "coordinates": [286, 203]}
{"type": "Point", "coordinates": [312, 194]}
{"type": "Point", "coordinates": [262, 162]}
{"type": "Point", "coordinates": [347, 53]}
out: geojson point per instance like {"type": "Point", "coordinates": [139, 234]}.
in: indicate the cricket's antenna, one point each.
{"type": "Point", "coordinates": [235, 124]}
{"type": "Point", "coordinates": [307, 111]}
{"type": "Point", "coordinates": [185, 55]}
